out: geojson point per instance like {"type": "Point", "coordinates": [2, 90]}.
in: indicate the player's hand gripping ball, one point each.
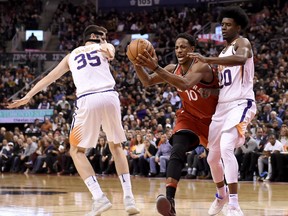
{"type": "Point", "coordinates": [138, 46]}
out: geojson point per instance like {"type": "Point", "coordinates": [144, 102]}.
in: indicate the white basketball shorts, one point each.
{"type": "Point", "coordinates": [93, 111]}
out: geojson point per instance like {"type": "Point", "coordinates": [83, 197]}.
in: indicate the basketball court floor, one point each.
{"type": "Point", "coordinates": [52, 195]}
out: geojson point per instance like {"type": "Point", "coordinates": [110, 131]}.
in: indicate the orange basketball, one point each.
{"type": "Point", "coordinates": [138, 46]}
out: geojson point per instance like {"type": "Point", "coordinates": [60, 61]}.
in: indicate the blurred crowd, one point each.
{"type": "Point", "coordinates": [18, 15]}
{"type": "Point", "coordinates": [149, 113]}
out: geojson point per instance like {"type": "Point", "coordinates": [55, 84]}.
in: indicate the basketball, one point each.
{"type": "Point", "coordinates": [138, 46]}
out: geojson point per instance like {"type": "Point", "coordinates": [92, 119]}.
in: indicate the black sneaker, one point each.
{"type": "Point", "coordinates": [165, 206]}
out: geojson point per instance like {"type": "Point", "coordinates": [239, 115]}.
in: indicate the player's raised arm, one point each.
{"type": "Point", "coordinates": [55, 74]}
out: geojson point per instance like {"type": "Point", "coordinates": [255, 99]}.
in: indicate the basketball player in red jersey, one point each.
{"type": "Point", "coordinates": [193, 119]}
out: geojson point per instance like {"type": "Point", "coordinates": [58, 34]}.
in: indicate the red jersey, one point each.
{"type": "Point", "coordinates": [196, 111]}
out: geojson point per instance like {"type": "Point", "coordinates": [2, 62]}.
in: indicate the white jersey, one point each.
{"type": "Point", "coordinates": [90, 70]}
{"type": "Point", "coordinates": [236, 82]}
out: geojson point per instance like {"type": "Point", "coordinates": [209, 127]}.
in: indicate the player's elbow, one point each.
{"type": "Point", "coordinates": [241, 60]}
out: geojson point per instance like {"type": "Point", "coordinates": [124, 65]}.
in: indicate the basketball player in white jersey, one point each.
{"type": "Point", "coordinates": [236, 108]}
{"type": "Point", "coordinates": [97, 104]}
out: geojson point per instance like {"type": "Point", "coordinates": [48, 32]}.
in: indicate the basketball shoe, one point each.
{"type": "Point", "coordinates": [130, 206]}
{"type": "Point", "coordinates": [218, 203]}
{"type": "Point", "coordinates": [99, 206]}
{"type": "Point", "coordinates": [165, 206]}
{"type": "Point", "coordinates": [234, 211]}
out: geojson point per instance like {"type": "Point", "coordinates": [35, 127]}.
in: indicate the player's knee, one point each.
{"type": "Point", "coordinates": [227, 152]}
{"type": "Point", "coordinates": [178, 153]}
{"type": "Point", "coordinates": [75, 150]}
{"type": "Point", "coordinates": [213, 158]}
{"type": "Point", "coordinates": [115, 149]}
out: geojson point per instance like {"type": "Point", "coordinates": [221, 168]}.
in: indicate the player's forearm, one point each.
{"type": "Point", "coordinates": [145, 78]}
{"type": "Point", "coordinates": [173, 79]}
{"type": "Point", "coordinates": [39, 86]}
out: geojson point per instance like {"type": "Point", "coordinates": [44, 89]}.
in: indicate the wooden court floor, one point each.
{"type": "Point", "coordinates": [52, 195]}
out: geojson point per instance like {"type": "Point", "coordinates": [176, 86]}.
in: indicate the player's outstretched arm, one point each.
{"type": "Point", "coordinates": [243, 52]}
{"type": "Point", "coordinates": [55, 74]}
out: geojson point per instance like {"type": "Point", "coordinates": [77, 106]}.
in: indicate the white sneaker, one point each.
{"type": "Point", "coordinates": [130, 206]}
{"type": "Point", "coordinates": [218, 204]}
{"type": "Point", "coordinates": [234, 211]}
{"type": "Point", "coordinates": [99, 206]}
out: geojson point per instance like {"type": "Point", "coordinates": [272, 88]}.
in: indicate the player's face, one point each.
{"type": "Point", "coordinates": [182, 47]}
{"type": "Point", "coordinates": [230, 29]}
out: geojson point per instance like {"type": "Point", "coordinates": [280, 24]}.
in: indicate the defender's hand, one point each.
{"type": "Point", "coordinates": [18, 103]}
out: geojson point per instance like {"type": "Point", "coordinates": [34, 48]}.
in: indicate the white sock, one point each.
{"type": "Point", "coordinates": [94, 187]}
{"type": "Point", "coordinates": [222, 191]}
{"type": "Point", "coordinates": [126, 184]}
{"type": "Point", "coordinates": [194, 171]}
{"type": "Point", "coordinates": [233, 200]}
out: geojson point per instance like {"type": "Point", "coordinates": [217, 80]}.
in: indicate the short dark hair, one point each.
{"type": "Point", "coordinates": [188, 37]}
{"type": "Point", "coordinates": [236, 13]}
{"type": "Point", "coordinates": [97, 30]}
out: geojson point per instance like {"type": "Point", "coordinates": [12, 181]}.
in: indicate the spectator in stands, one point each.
{"type": "Point", "coordinates": [161, 158]}
{"type": "Point", "coordinates": [44, 104]}
{"type": "Point", "coordinates": [150, 137]}
{"type": "Point", "coordinates": [274, 117]}
{"type": "Point", "coordinates": [65, 162]}
{"type": "Point", "coordinates": [46, 126]}
{"type": "Point", "coordinates": [272, 147]}
{"type": "Point", "coordinates": [283, 137]}
{"type": "Point", "coordinates": [197, 164]}
{"type": "Point", "coordinates": [18, 149]}
{"type": "Point", "coordinates": [48, 149]}
{"type": "Point", "coordinates": [6, 156]}
{"type": "Point", "coordinates": [29, 149]}
{"type": "Point", "coordinates": [107, 163]}
{"type": "Point", "coordinates": [244, 151]}
{"type": "Point", "coordinates": [265, 115]}
{"type": "Point", "coordinates": [63, 103]}
{"type": "Point", "coordinates": [279, 161]}
{"type": "Point", "coordinates": [32, 37]}
{"type": "Point", "coordinates": [137, 152]}
{"type": "Point", "coordinates": [144, 160]}
{"type": "Point", "coordinates": [2, 133]}
{"type": "Point", "coordinates": [95, 156]}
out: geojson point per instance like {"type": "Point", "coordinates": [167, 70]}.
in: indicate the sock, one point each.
{"type": "Point", "coordinates": [126, 184]}
{"type": "Point", "coordinates": [233, 200]}
{"type": "Point", "coordinates": [171, 190]}
{"type": "Point", "coordinates": [194, 171]}
{"type": "Point", "coordinates": [222, 191]}
{"type": "Point", "coordinates": [94, 187]}
{"type": "Point", "coordinates": [189, 171]}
